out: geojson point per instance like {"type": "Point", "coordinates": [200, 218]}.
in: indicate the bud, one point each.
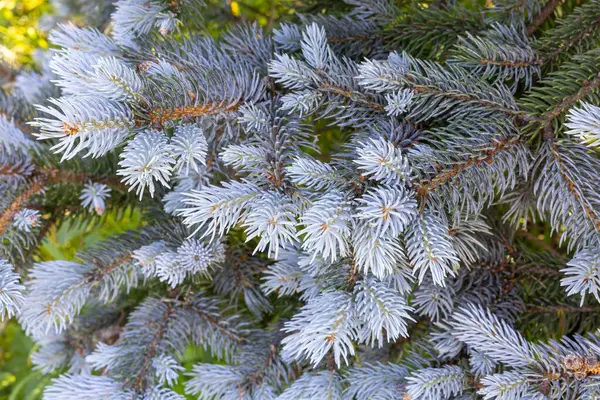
{"type": "Point", "coordinates": [573, 362]}
{"type": "Point", "coordinates": [144, 66]}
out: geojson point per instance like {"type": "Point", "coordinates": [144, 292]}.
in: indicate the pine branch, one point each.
{"type": "Point", "coordinates": [41, 177]}
{"type": "Point", "coordinates": [105, 270]}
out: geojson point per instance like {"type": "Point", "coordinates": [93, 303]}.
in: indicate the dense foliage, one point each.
{"type": "Point", "coordinates": [374, 200]}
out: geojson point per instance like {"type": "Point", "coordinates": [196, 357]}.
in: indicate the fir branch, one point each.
{"type": "Point", "coordinates": [104, 270]}
{"type": "Point", "coordinates": [355, 38]}
{"type": "Point", "coordinates": [460, 97]}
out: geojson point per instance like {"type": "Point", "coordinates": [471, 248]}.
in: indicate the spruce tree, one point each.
{"type": "Point", "coordinates": [386, 199]}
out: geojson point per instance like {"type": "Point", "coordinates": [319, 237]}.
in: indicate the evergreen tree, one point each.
{"type": "Point", "coordinates": [401, 259]}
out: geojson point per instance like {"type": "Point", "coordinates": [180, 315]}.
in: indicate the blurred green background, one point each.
{"type": "Point", "coordinates": [19, 33]}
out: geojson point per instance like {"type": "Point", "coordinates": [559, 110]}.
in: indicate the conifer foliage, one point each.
{"type": "Point", "coordinates": [444, 244]}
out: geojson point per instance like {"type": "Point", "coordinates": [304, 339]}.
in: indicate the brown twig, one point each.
{"type": "Point", "coordinates": [539, 19]}
{"type": "Point", "coordinates": [548, 117]}
{"type": "Point", "coordinates": [445, 176]}
{"type": "Point", "coordinates": [564, 309]}
{"type": "Point", "coordinates": [160, 115]}
{"type": "Point", "coordinates": [471, 99]}
{"type": "Point", "coordinates": [19, 202]}
{"type": "Point", "coordinates": [159, 332]}
{"type": "Point", "coordinates": [55, 175]}
{"type": "Point", "coordinates": [327, 87]}
{"type": "Point", "coordinates": [40, 178]}
{"type": "Point", "coordinates": [531, 237]}
{"type": "Point", "coordinates": [515, 64]}
{"type": "Point", "coordinates": [532, 269]}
